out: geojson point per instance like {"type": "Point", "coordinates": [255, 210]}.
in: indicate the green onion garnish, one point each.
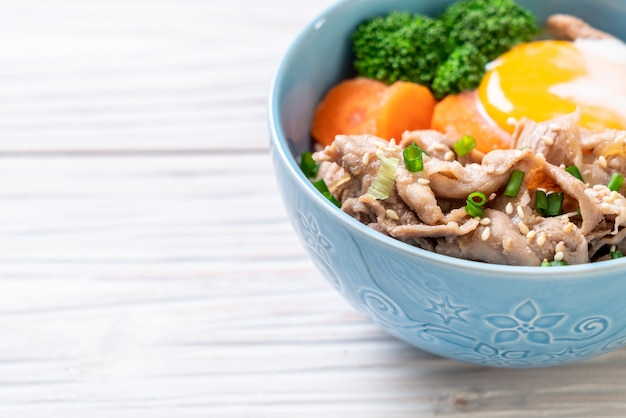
{"type": "Point", "coordinates": [464, 145]}
{"type": "Point", "coordinates": [574, 171]}
{"type": "Point", "coordinates": [474, 204]}
{"type": "Point", "coordinates": [515, 181]}
{"type": "Point", "coordinates": [550, 204]}
{"type": "Point", "coordinates": [553, 263]}
{"type": "Point", "coordinates": [541, 203]}
{"type": "Point", "coordinates": [616, 182]}
{"type": "Point", "coordinates": [308, 165]}
{"type": "Point", "coordinates": [321, 186]}
{"type": "Point", "coordinates": [383, 183]}
{"type": "Point", "coordinates": [555, 203]}
{"type": "Point", "coordinates": [617, 254]}
{"type": "Point", "coordinates": [413, 158]}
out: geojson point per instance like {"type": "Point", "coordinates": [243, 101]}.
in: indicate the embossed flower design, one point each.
{"type": "Point", "coordinates": [525, 322]}
{"type": "Point", "coordinates": [313, 237]}
{"type": "Point", "coordinates": [488, 355]}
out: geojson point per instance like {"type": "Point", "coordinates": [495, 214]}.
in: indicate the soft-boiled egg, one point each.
{"type": "Point", "coordinates": [544, 79]}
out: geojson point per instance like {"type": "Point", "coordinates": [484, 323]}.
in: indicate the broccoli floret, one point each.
{"type": "Point", "coordinates": [463, 70]}
{"type": "Point", "coordinates": [399, 46]}
{"type": "Point", "coordinates": [447, 54]}
{"type": "Point", "coordinates": [492, 26]}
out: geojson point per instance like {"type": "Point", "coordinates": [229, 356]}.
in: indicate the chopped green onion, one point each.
{"type": "Point", "coordinates": [515, 181]}
{"type": "Point", "coordinates": [617, 254]}
{"type": "Point", "coordinates": [308, 165]}
{"type": "Point", "coordinates": [555, 203]}
{"type": "Point", "coordinates": [474, 204]}
{"type": "Point", "coordinates": [321, 186]}
{"type": "Point", "coordinates": [541, 203]}
{"type": "Point", "coordinates": [413, 158]}
{"type": "Point", "coordinates": [385, 178]}
{"type": "Point", "coordinates": [464, 145]}
{"type": "Point", "coordinates": [549, 205]}
{"type": "Point", "coordinates": [574, 171]}
{"type": "Point", "coordinates": [553, 263]}
{"type": "Point", "coordinates": [616, 182]}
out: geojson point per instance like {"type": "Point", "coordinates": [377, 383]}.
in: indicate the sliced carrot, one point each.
{"type": "Point", "coordinates": [405, 106]}
{"type": "Point", "coordinates": [461, 114]}
{"type": "Point", "coordinates": [366, 106]}
{"type": "Point", "coordinates": [348, 108]}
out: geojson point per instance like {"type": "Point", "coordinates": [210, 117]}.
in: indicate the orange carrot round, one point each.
{"type": "Point", "coordinates": [461, 114]}
{"type": "Point", "coordinates": [348, 108]}
{"type": "Point", "coordinates": [365, 106]}
{"type": "Point", "coordinates": [405, 106]}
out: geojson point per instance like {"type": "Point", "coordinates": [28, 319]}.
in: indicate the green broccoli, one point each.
{"type": "Point", "coordinates": [399, 46]}
{"type": "Point", "coordinates": [463, 70]}
{"type": "Point", "coordinates": [492, 26]}
{"type": "Point", "coordinates": [447, 54]}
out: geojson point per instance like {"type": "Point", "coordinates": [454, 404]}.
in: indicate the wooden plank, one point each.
{"type": "Point", "coordinates": [123, 75]}
{"type": "Point", "coordinates": [128, 292]}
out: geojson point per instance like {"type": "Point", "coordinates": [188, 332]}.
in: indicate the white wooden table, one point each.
{"type": "Point", "coordinates": [135, 281]}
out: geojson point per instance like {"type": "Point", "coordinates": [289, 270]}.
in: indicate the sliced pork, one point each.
{"type": "Point", "coordinates": [427, 208]}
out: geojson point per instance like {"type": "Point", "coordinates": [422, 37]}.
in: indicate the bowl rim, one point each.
{"type": "Point", "coordinates": [279, 145]}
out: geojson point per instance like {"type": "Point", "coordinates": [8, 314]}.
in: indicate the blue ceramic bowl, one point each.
{"type": "Point", "coordinates": [486, 314]}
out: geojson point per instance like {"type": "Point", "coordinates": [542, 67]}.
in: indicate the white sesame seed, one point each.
{"type": "Point", "coordinates": [439, 146]}
{"type": "Point", "coordinates": [523, 228]}
{"type": "Point", "coordinates": [560, 247]}
{"type": "Point", "coordinates": [507, 244]}
{"type": "Point", "coordinates": [520, 212]}
{"type": "Point", "coordinates": [547, 140]}
{"type": "Point", "coordinates": [449, 156]}
{"type": "Point", "coordinates": [366, 158]}
{"type": "Point", "coordinates": [531, 235]}
{"type": "Point", "coordinates": [486, 234]}
{"type": "Point", "coordinates": [554, 127]}
{"type": "Point", "coordinates": [391, 214]}
{"type": "Point", "coordinates": [613, 248]}
{"type": "Point", "coordinates": [559, 256]}
{"type": "Point", "coordinates": [612, 197]}
{"type": "Point", "coordinates": [569, 227]}
{"type": "Point", "coordinates": [423, 181]}
{"type": "Point", "coordinates": [602, 161]}
{"type": "Point", "coordinates": [485, 221]}
{"type": "Point", "coordinates": [509, 208]}
{"type": "Point", "coordinates": [511, 121]}
{"type": "Point", "coordinates": [541, 239]}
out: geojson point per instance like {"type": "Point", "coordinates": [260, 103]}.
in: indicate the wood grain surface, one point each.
{"type": "Point", "coordinates": [136, 281]}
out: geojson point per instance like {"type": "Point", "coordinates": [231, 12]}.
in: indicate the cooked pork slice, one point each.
{"type": "Point", "coordinates": [556, 235]}
{"type": "Point", "coordinates": [558, 139]}
{"type": "Point", "coordinates": [452, 180]}
{"type": "Point", "coordinates": [499, 242]}
{"type": "Point", "coordinates": [419, 196]}
{"type": "Point", "coordinates": [433, 142]}
{"type": "Point", "coordinates": [570, 28]}
{"type": "Point", "coordinates": [590, 211]}
{"type": "Point", "coordinates": [438, 145]}
{"type": "Point", "coordinates": [428, 208]}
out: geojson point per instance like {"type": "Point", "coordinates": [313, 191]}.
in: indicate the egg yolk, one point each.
{"type": "Point", "coordinates": [546, 79]}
